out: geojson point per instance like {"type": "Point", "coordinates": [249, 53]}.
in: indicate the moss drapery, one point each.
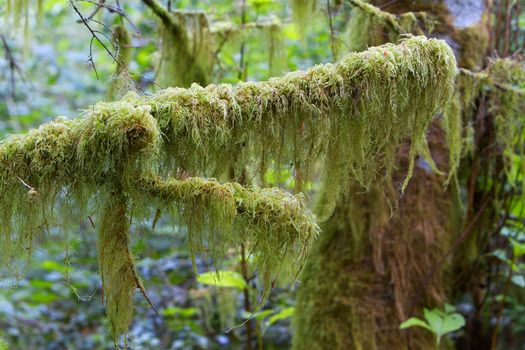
{"type": "Point", "coordinates": [351, 116]}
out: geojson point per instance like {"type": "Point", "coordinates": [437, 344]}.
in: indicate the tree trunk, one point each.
{"type": "Point", "coordinates": [368, 273]}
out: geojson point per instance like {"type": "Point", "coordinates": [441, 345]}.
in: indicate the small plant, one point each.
{"type": "Point", "coordinates": [439, 322]}
{"type": "Point", "coordinates": [3, 344]}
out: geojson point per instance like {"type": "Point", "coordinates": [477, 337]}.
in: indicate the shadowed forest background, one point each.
{"type": "Point", "coordinates": [397, 219]}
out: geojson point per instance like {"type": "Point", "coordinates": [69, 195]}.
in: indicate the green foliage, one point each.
{"type": "Point", "coordinates": [3, 344]}
{"type": "Point", "coordinates": [439, 322]}
{"type": "Point", "coordinates": [280, 315]}
{"type": "Point", "coordinates": [223, 279]}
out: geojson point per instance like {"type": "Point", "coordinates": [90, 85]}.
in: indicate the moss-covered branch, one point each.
{"type": "Point", "coordinates": [164, 16]}
{"type": "Point", "coordinates": [274, 225]}
{"type": "Point", "coordinates": [351, 115]}
{"type": "Point", "coordinates": [348, 118]}
{"type": "Point", "coordinates": [385, 17]}
{"type": "Point", "coordinates": [370, 26]}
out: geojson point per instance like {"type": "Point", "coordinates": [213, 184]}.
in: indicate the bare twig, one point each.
{"type": "Point", "coordinates": [14, 67]}
{"type": "Point", "coordinates": [332, 34]}
{"type": "Point", "coordinates": [111, 9]}
{"type": "Point", "coordinates": [94, 37]}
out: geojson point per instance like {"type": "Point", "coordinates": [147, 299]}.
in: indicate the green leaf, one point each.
{"type": "Point", "coordinates": [518, 248]}
{"type": "Point", "coordinates": [43, 297]}
{"type": "Point", "coordinates": [227, 279]}
{"type": "Point", "coordinates": [281, 315]}
{"type": "Point", "coordinates": [180, 311]}
{"type": "Point", "coordinates": [434, 320]}
{"type": "Point", "coordinates": [441, 323]}
{"type": "Point", "coordinates": [449, 309]}
{"type": "Point", "coordinates": [519, 280]}
{"type": "Point", "coordinates": [53, 266]}
{"type": "Point", "coordinates": [261, 315]}
{"type": "Point", "coordinates": [414, 322]}
{"type": "Point", "coordinates": [452, 323]}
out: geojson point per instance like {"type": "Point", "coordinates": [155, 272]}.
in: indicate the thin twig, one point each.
{"type": "Point", "coordinates": [14, 67]}
{"type": "Point", "coordinates": [332, 34]}
{"type": "Point", "coordinates": [94, 37]}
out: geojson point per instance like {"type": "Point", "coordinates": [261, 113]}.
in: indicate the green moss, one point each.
{"type": "Point", "coordinates": [186, 51]}
{"type": "Point", "coordinates": [269, 32]}
{"type": "Point", "coordinates": [356, 112]}
{"type": "Point", "coordinates": [301, 11]}
{"type": "Point", "coordinates": [351, 116]}
{"type": "Point", "coordinates": [365, 272]}
{"type": "Point", "coordinates": [273, 225]}
{"type": "Point", "coordinates": [456, 113]}
{"type": "Point", "coordinates": [506, 81]}
{"type": "Point", "coordinates": [370, 26]}
{"type": "Point", "coordinates": [473, 42]}
{"type": "Point", "coordinates": [116, 267]}
{"type": "Point", "coordinates": [122, 81]}
{"type": "Point", "coordinates": [17, 14]}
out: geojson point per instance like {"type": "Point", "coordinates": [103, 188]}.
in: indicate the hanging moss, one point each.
{"type": "Point", "coordinates": [369, 26]}
{"type": "Point", "coordinates": [301, 12]}
{"type": "Point", "coordinates": [351, 116]}
{"type": "Point", "coordinates": [343, 112]}
{"type": "Point", "coordinates": [457, 111]}
{"type": "Point", "coordinates": [503, 83]}
{"type": "Point", "coordinates": [186, 51]}
{"type": "Point", "coordinates": [273, 225]}
{"type": "Point", "coordinates": [17, 14]}
{"type": "Point", "coordinates": [255, 32]}
{"type": "Point", "coordinates": [116, 267]}
{"type": "Point", "coordinates": [507, 103]}
{"type": "Point", "coordinates": [122, 81]}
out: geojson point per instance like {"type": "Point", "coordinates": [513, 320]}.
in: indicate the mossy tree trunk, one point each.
{"type": "Point", "coordinates": [368, 273]}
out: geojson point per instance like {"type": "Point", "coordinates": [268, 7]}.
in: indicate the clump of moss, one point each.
{"type": "Point", "coordinates": [273, 225]}
{"type": "Point", "coordinates": [507, 103]}
{"type": "Point", "coordinates": [116, 267]}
